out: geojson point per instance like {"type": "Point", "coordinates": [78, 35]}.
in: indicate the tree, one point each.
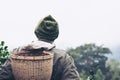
{"type": "Point", "coordinates": [90, 57]}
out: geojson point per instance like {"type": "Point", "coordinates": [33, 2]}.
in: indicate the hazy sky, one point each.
{"type": "Point", "coordinates": [80, 21]}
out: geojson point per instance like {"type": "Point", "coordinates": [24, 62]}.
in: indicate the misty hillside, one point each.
{"type": "Point", "coordinates": [115, 53]}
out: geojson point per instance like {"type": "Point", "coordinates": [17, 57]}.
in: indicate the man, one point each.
{"type": "Point", "coordinates": [63, 65]}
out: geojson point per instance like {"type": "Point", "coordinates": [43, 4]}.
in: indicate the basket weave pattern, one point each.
{"type": "Point", "coordinates": [32, 67]}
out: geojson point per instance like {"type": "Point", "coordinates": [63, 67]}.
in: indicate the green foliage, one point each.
{"type": "Point", "coordinates": [115, 69]}
{"type": "Point", "coordinates": [3, 53]}
{"type": "Point", "coordinates": [99, 75]}
{"type": "Point", "coordinates": [91, 76]}
{"type": "Point", "coordinates": [83, 75]}
{"type": "Point", "coordinates": [90, 57]}
{"type": "Point", "coordinates": [114, 65]}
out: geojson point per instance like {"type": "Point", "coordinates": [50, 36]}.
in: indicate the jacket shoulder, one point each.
{"type": "Point", "coordinates": [59, 55]}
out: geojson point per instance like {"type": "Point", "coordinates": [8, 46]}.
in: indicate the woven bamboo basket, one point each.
{"type": "Point", "coordinates": [32, 67]}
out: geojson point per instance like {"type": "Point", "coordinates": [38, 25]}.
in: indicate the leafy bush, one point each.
{"type": "Point", "coordinates": [3, 53]}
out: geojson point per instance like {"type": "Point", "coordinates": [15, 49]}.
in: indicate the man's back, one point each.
{"type": "Point", "coordinates": [63, 68]}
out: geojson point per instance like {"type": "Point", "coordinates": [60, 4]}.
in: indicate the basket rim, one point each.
{"type": "Point", "coordinates": [41, 57]}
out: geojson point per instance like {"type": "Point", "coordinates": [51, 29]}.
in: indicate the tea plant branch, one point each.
{"type": "Point", "coordinates": [3, 53]}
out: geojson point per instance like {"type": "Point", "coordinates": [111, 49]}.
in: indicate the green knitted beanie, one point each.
{"type": "Point", "coordinates": [47, 29]}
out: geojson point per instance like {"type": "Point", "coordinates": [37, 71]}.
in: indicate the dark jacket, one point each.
{"type": "Point", "coordinates": [63, 68]}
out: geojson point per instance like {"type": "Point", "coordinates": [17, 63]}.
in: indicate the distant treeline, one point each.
{"type": "Point", "coordinates": [92, 63]}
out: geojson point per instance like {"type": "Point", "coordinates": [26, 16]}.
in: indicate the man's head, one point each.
{"type": "Point", "coordinates": [47, 29]}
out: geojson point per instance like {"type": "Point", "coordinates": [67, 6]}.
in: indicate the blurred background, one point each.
{"type": "Point", "coordinates": [80, 22]}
